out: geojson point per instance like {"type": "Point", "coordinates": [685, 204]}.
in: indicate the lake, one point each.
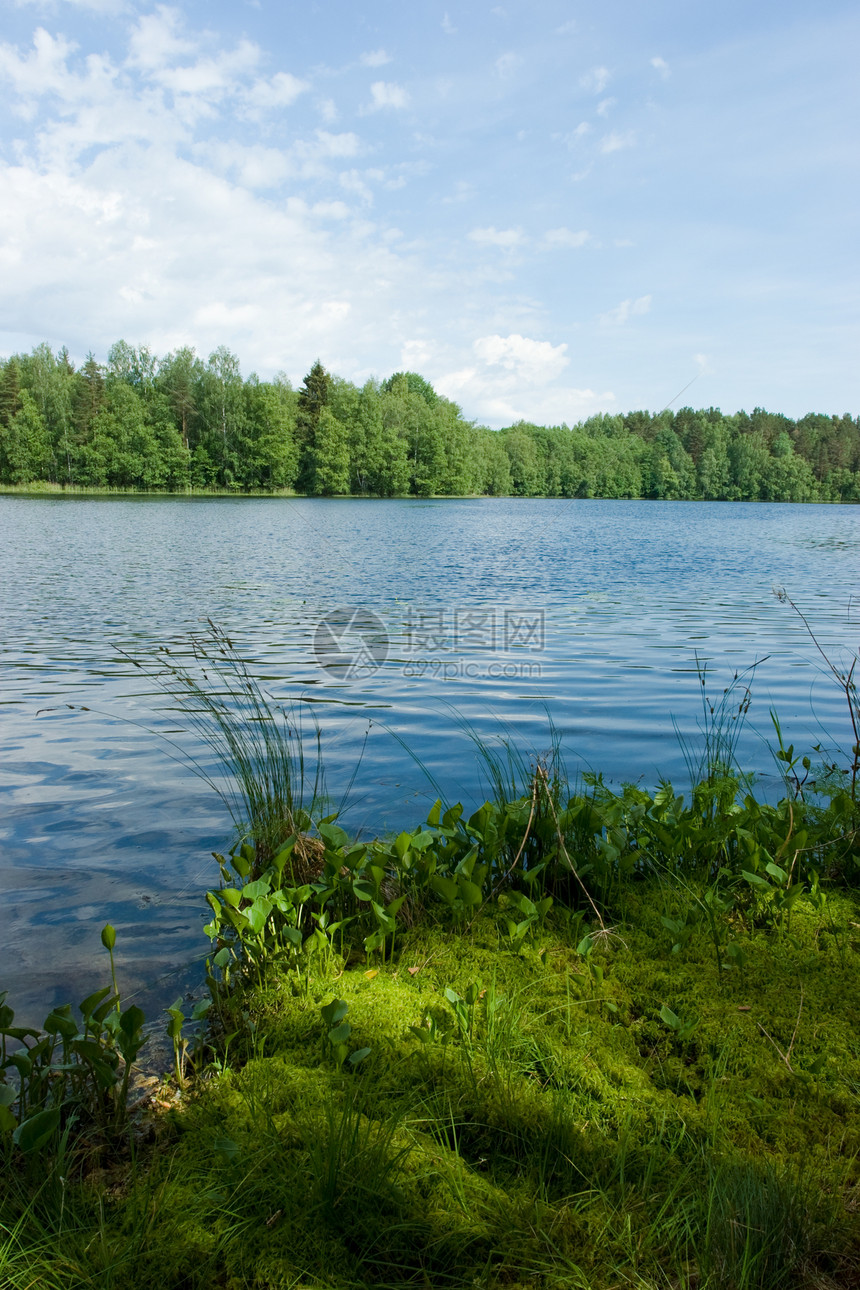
{"type": "Point", "coordinates": [393, 624]}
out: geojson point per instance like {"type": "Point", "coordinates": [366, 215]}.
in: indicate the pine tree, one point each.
{"type": "Point", "coordinates": [313, 397]}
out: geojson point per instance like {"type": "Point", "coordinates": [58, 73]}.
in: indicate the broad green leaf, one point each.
{"type": "Point", "coordinates": [333, 834]}
{"type": "Point", "coordinates": [240, 865]}
{"type": "Point", "coordinates": [36, 1132]}
{"type": "Point", "coordinates": [226, 1148]}
{"type": "Point", "coordinates": [421, 841]}
{"type": "Point", "coordinates": [334, 1011]}
{"type": "Point", "coordinates": [670, 1018]}
{"type": "Point", "coordinates": [260, 887]}
{"type": "Point", "coordinates": [470, 892]}
{"type": "Point", "coordinates": [92, 1000]}
{"type": "Point", "coordinates": [452, 816]}
{"type": "Point", "coordinates": [402, 843]}
{"type": "Point", "coordinates": [444, 887]}
{"type": "Point", "coordinates": [258, 913]}
{"type": "Point", "coordinates": [90, 1050]}
{"type": "Point", "coordinates": [59, 1022]}
{"type": "Point", "coordinates": [131, 1020]}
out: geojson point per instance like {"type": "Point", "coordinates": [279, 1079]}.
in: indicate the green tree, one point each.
{"type": "Point", "coordinates": [313, 397]}
{"type": "Point", "coordinates": [25, 449]}
{"type": "Point", "coordinates": [380, 461]}
{"type": "Point", "coordinates": [748, 462]}
{"type": "Point", "coordinates": [330, 462]}
{"type": "Point", "coordinates": [221, 403]}
{"type": "Point", "coordinates": [419, 422]}
{"type": "Point", "coordinates": [494, 464]}
{"type": "Point", "coordinates": [10, 390]}
{"type": "Point", "coordinates": [526, 475]}
{"type": "Point", "coordinates": [271, 422]}
{"type": "Point", "coordinates": [135, 367]}
{"type": "Point", "coordinates": [180, 375]}
{"type": "Point", "coordinates": [88, 396]}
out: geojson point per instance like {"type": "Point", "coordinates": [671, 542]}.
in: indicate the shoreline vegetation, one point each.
{"type": "Point", "coordinates": [583, 1038]}
{"type": "Point", "coordinates": [179, 424]}
{"type": "Point", "coordinates": [44, 488]}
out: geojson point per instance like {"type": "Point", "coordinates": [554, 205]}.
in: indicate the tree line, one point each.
{"type": "Point", "coordinates": [180, 423]}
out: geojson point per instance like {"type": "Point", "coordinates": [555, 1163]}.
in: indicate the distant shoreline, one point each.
{"type": "Point", "coordinates": [48, 489]}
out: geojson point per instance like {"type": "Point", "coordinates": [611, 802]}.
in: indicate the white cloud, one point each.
{"type": "Point", "coordinates": [43, 71]}
{"type": "Point", "coordinates": [703, 364]}
{"type": "Point", "coordinates": [254, 166]}
{"type": "Point", "coordinates": [415, 354]}
{"type": "Point", "coordinates": [353, 181]}
{"type": "Point", "coordinates": [156, 39]}
{"type": "Point", "coordinates": [596, 80]}
{"type": "Point", "coordinates": [448, 26]}
{"type": "Point", "coordinates": [624, 311]}
{"type": "Point", "coordinates": [335, 145]}
{"type": "Point", "coordinates": [507, 64]}
{"type": "Point", "coordinates": [604, 105]}
{"type": "Point", "coordinates": [530, 361]}
{"type": "Point", "coordinates": [159, 47]}
{"type": "Point", "coordinates": [506, 238]}
{"type": "Point", "coordinates": [120, 217]}
{"type": "Point", "coordinates": [331, 210]}
{"type": "Point", "coordinates": [615, 142]}
{"type": "Point", "coordinates": [215, 77]}
{"type": "Point", "coordinates": [375, 58]}
{"type": "Point", "coordinates": [280, 90]}
{"type": "Point", "coordinates": [464, 191]}
{"type": "Point", "coordinates": [385, 94]}
{"type": "Point", "coordinates": [661, 66]}
{"type": "Point", "coordinates": [565, 239]}
{"type": "Point", "coordinates": [567, 28]}
{"type": "Point", "coordinates": [573, 136]}
{"type": "Point", "coordinates": [511, 379]}
{"type": "Point", "coordinates": [166, 196]}
{"type": "Point", "coordinates": [327, 110]}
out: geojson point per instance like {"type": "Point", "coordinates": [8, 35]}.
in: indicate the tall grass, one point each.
{"type": "Point", "coordinates": [268, 782]}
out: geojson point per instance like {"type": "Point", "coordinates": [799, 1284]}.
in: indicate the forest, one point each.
{"type": "Point", "coordinates": [180, 424]}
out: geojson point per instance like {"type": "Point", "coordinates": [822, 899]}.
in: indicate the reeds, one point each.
{"type": "Point", "coordinates": [263, 774]}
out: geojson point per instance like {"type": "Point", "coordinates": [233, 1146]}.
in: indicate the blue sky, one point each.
{"type": "Point", "coordinates": [548, 209]}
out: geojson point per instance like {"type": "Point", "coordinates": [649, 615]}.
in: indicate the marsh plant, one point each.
{"type": "Point", "coordinates": [69, 1072]}
{"type": "Point", "coordinates": [267, 766]}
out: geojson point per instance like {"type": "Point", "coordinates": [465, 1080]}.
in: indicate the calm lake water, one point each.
{"type": "Point", "coordinates": [491, 612]}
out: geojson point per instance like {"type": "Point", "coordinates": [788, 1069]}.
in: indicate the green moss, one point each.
{"type": "Point", "coordinates": [560, 1134]}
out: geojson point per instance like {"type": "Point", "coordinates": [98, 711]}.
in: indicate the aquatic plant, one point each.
{"type": "Point", "coordinates": [262, 772]}
{"type": "Point", "coordinates": [68, 1071]}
